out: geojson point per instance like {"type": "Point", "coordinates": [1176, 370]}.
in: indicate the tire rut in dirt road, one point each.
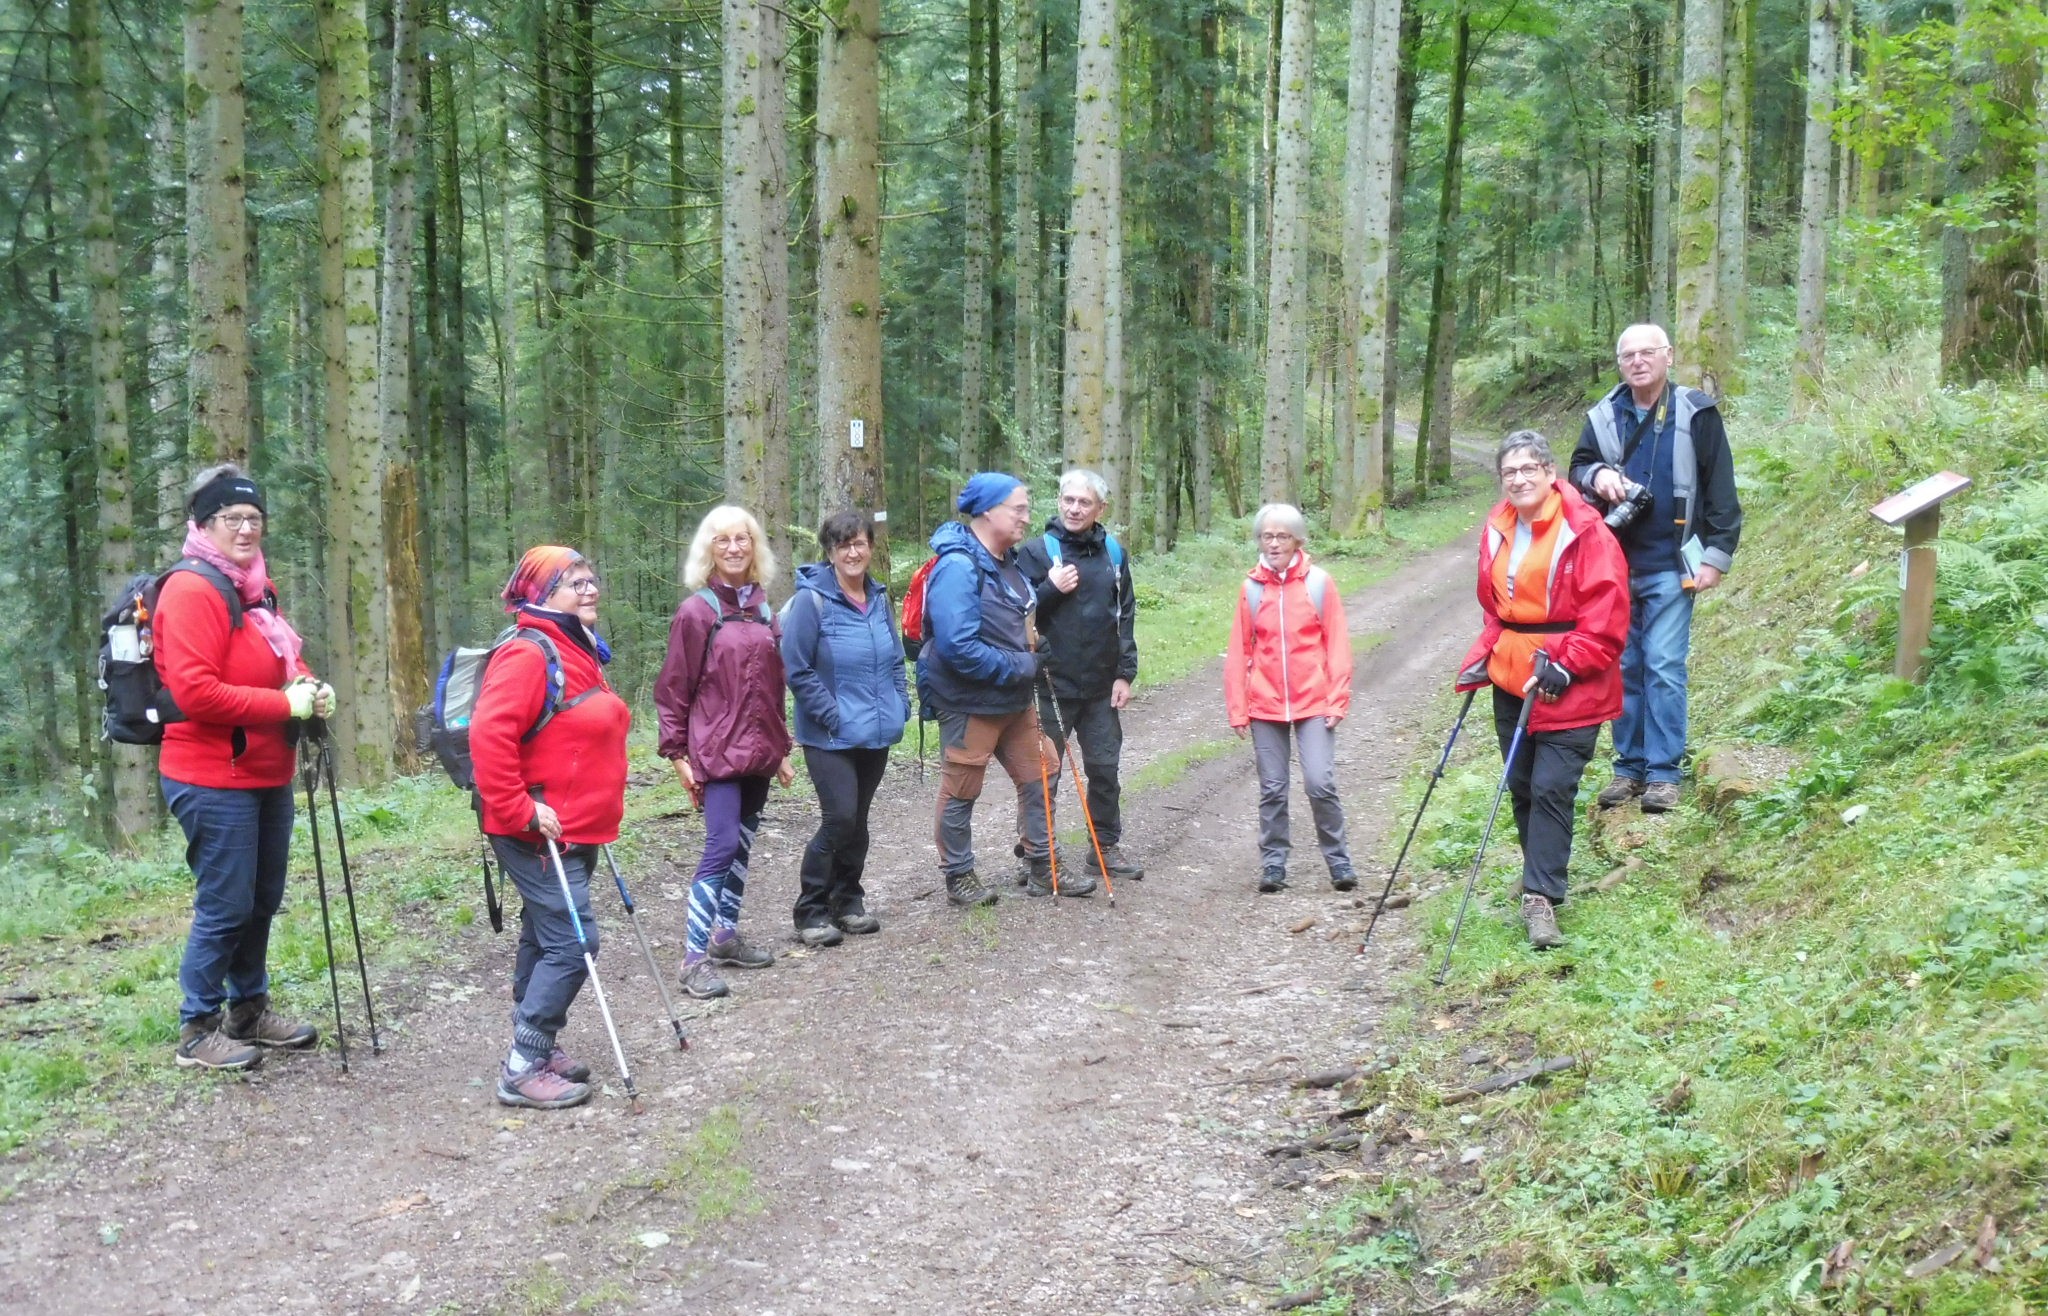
{"type": "Point", "coordinates": [1056, 1108]}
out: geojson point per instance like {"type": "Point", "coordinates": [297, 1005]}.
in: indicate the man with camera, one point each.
{"type": "Point", "coordinates": [1656, 456]}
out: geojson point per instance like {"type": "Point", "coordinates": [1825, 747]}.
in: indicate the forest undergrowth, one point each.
{"type": "Point", "coordinates": [1807, 1025]}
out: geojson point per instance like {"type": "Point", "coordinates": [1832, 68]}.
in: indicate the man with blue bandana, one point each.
{"type": "Point", "coordinates": [976, 670]}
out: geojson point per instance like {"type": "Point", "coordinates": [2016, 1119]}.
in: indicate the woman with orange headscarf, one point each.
{"type": "Point", "coordinates": [548, 740]}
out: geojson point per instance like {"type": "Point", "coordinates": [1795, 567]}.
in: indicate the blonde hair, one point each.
{"type": "Point", "coordinates": [723, 520]}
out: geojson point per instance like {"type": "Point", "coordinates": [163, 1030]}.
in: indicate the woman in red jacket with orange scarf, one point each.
{"type": "Point", "coordinates": [546, 776]}
{"type": "Point", "coordinates": [1554, 587]}
{"type": "Point", "coordinates": [236, 675]}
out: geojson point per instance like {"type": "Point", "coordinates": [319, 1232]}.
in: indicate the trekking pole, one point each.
{"type": "Point", "coordinates": [348, 888]}
{"type": "Point", "coordinates": [1080, 792]}
{"type": "Point", "coordinates": [1507, 766]}
{"type": "Point", "coordinates": [1052, 843]}
{"type": "Point", "coordinates": [675, 1021]}
{"type": "Point", "coordinates": [590, 966]}
{"type": "Point", "coordinates": [1427, 791]}
{"type": "Point", "coordinates": [310, 773]}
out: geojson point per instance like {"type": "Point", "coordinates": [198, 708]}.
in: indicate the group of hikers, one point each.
{"type": "Point", "coordinates": [1023, 643]}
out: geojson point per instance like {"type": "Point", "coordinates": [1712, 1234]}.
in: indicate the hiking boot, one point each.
{"type": "Point", "coordinates": [856, 921]}
{"type": "Point", "coordinates": [701, 982]}
{"type": "Point", "coordinates": [1039, 881]}
{"type": "Point", "coordinates": [968, 889]}
{"type": "Point", "coordinates": [1120, 866]}
{"type": "Point", "coordinates": [1271, 880]}
{"type": "Point", "coordinates": [1344, 879]}
{"type": "Point", "coordinates": [819, 933]}
{"type": "Point", "coordinates": [254, 1022]}
{"type": "Point", "coordinates": [562, 1066]}
{"type": "Point", "coordinates": [1660, 797]}
{"type": "Point", "coordinates": [202, 1045]}
{"type": "Point", "coordinates": [737, 951]}
{"type": "Point", "coordinates": [1619, 792]}
{"type": "Point", "coordinates": [1542, 922]}
{"type": "Point", "coordinates": [540, 1088]}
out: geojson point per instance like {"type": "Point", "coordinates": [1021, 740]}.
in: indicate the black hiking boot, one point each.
{"type": "Point", "coordinates": [1121, 866]}
{"type": "Point", "coordinates": [1272, 879]}
{"type": "Point", "coordinates": [700, 982]}
{"type": "Point", "coordinates": [1619, 792]}
{"type": "Point", "coordinates": [855, 921]}
{"type": "Point", "coordinates": [254, 1022]}
{"type": "Point", "coordinates": [1344, 878]}
{"type": "Point", "coordinates": [202, 1045]}
{"type": "Point", "coordinates": [967, 889]}
{"type": "Point", "coordinates": [819, 931]}
{"type": "Point", "coordinates": [1038, 881]}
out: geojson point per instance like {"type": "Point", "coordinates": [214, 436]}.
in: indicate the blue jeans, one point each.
{"type": "Point", "coordinates": [1649, 736]}
{"type": "Point", "coordinates": [237, 843]}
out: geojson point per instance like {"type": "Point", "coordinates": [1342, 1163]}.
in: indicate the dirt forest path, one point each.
{"type": "Point", "coordinates": [1055, 1109]}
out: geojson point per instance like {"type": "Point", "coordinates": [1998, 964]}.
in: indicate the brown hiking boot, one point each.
{"type": "Point", "coordinates": [254, 1022]}
{"type": "Point", "coordinates": [1660, 797]}
{"type": "Point", "coordinates": [202, 1045]}
{"type": "Point", "coordinates": [1038, 880]}
{"type": "Point", "coordinates": [1619, 792]}
{"type": "Point", "coordinates": [1542, 922]}
{"type": "Point", "coordinates": [968, 889]}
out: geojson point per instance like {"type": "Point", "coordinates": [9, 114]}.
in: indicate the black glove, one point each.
{"type": "Point", "coordinates": [1551, 679]}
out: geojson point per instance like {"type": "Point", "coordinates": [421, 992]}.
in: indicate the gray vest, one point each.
{"type": "Point", "coordinates": [1685, 463]}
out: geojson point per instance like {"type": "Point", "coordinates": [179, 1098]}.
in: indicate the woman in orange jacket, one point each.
{"type": "Point", "coordinates": [1287, 682]}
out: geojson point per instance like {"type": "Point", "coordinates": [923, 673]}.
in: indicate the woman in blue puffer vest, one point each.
{"type": "Point", "coordinates": [845, 668]}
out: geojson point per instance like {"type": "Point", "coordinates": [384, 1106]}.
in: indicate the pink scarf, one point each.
{"type": "Point", "coordinates": [251, 584]}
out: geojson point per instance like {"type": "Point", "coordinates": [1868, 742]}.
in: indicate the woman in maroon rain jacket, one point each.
{"type": "Point", "coordinates": [720, 700]}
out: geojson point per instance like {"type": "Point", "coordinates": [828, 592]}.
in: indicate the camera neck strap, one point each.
{"type": "Point", "coordinates": [1654, 417]}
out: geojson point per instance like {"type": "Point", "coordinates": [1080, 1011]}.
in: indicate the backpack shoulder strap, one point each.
{"type": "Point", "coordinates": [1253, 593]}
{"type": "Point", "coordinates": [217, 578]}
{"type": "Point", "coordinates": [555, 681]}
{"type": "Point", "coordinates": [1318, 586]}
{"type": "Point", "coordinates": [1052, 548]}
{"type": "Point", "coordinates": [1116, 551]}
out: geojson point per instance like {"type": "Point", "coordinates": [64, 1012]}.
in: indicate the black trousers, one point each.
{"type": "Point", "coordinates": [1098, 732]}
{"type": "Point", "coordinates": [1544, 780]}
{"type": "Point", "coordinates": [846, 780]}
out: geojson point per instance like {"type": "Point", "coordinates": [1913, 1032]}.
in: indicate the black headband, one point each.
{"type": "Point", "coordinates": [224, 490]}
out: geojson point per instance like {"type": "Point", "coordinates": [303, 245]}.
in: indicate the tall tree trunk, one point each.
{"type": "Point", "coordinates": [1732, 280]}
{"type": "Point", "coordinates": [584, 422]}
{"type": "Point", "coordinates": [125, 769]}
{"type": "Point", "coordinates": [1433, 436]}
{"type": "Point", "coordinates": [168, 422]}
{"type": "Point", "coordinates": [1119, 441]}
{"type": "Point", "coordinates": [406, 597]}
{"type": "Point", "coordinates": [358, 600]}
{"type": "Point", "coordinates": [1700, 332]}
{"type": "Point", "coordinates": [216, 242]}
{"type": "Point", "coordinates": [1285, 432]}
{"type": "Point", "coordinates": [756, 265]}
{"type": "Point", "coordinates": [1406, 87]}
{"type": "Point", "coordinates": [1086, 392]}
{"type": "Point", "coordinates": [453, 365]}
{"type": "Point", "coordinates": [1207, 430]}
{"type": "Point", "coordinates": [1808, 365]}
{"type": "Point", "coordinates": [974, 278]}
{"type": "Point", "coordinates": [1665, 162]}
{"type": "Point", "coordinates": [1375, 66]}
{"type": "Point", "coordinates": [1027, 336]}
{"type": "Point", "coordinates": [850, 268]}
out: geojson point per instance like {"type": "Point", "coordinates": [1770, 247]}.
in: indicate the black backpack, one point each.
{"type": "Point", "coordinates": [138, 706]}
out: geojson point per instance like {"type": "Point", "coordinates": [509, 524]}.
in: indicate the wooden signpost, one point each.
{"type": "Point", "coordinates": [1918, 509]}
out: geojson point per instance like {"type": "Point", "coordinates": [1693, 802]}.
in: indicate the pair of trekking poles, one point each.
{"type": "Point", "coordinates": [1073, 767]}
{"type": "Point", "coordinates": [1435, 776]}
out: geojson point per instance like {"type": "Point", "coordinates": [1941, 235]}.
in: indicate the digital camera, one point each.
{"type": "Point", "coordinates": [1635, 500]}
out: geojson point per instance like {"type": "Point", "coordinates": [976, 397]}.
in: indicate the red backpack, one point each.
{"type": "Point", "coordinates": [913, 609]}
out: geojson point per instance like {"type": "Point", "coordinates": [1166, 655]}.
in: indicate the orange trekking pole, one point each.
{"type": "Point", "coordinates": [1052, 845]}
{"type": "Point", "coordinates": [1080, 793]}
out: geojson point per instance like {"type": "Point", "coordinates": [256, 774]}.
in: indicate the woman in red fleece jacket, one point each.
{"type": "Point", "coordinates": [227, 768]}
{"type": "Point", "coordinates": [1553, 586]}
{"type": "Point", "coordinates": [549, 778]}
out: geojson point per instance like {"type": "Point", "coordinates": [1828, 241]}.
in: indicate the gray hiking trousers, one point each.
{"type": "Point", "coordinates": [1318, 747]}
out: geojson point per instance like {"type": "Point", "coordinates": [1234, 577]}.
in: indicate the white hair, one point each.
{"type": "Point", "coordinates": [723, 520]}
{"type": "Point", "coordinates": [1283, 516]}
{"type": "Point", "coordinates": [1087, 479]}
{"type": "Point", "coordinates": [1663, 339]}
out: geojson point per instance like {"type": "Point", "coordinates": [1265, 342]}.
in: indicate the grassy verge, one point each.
{"type": "Point", "coordinates": [1813, 1043]}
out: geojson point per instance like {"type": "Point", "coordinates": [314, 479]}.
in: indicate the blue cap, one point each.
{"type": "Point", "coordinates": [985, 490]}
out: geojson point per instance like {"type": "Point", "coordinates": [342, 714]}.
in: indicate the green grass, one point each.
{"type": "Point", "coordinates": [708, 1173]}
{"type": "Point", "coordinates": [1170, 767]}
{"type": "Point", "coordinates": [1856, 1011]}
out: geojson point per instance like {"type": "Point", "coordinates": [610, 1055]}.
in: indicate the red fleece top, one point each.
{"type": "Point", "coordinates": [1588, 586]}
{"type": "Point", "coordinates": [578, 761]}
{"type": "Point", "coordinates": [230, 687]}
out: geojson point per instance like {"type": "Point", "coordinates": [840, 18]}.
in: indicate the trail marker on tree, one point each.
{"type": "Point", "coordinates": [1918, 509]}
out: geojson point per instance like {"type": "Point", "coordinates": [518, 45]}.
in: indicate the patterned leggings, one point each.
{"type": "Point", "coordinates": [732, 815]}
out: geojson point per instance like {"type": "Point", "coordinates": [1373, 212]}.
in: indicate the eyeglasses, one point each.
{"type": "Point", "coordinates": [741, 540]}
{"type": "Point", "coordinates": [240, 520]}
{"type": "Point", "coordinates": [1275, 537]}
{"type": "Point", "coordinates": [1640, 354]}
{"type": "Point", "coordinates": [1516, 474]}
{"type": "Point", "coordinates": [853, 546]}
{"type": "Point", "coordinates": [586, 586]}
